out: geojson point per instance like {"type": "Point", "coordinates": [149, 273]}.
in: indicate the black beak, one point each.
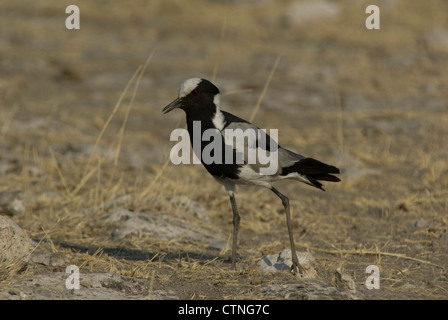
{"type": "Point", "coordinates": [173, 105]}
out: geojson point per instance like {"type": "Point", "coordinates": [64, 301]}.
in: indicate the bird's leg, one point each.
{"type": "Point", "coordinates": [295, 261]}
{"type": "Point", "coordinates": [236, 225]}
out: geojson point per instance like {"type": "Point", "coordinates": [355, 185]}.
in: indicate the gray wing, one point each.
{"type": "Point", "coordinates": [258, 149]}
{"type": "Point", "coordinates": [269, 155]}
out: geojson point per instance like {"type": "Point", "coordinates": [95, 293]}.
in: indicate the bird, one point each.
{"type": "Point", "coordinates": [201, 101]}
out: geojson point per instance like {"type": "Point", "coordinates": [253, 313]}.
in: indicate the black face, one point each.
{"type": "Point", "coordinates": [206, 86]}
{"type": "Point", "coordinates": [199, 99]}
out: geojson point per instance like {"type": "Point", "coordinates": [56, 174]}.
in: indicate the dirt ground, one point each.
{"type": "Point", "coordinates": [73, 138]}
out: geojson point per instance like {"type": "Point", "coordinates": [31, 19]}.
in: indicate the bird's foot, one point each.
{"type": "Point", "coordinates": [297, 266]}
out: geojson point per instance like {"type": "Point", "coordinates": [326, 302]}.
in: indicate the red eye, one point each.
{"type": "Point", "coordinates": [195, 92]}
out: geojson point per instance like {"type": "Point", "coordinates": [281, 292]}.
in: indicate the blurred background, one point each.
{"type": "Point", "coordinates": [372, 102]}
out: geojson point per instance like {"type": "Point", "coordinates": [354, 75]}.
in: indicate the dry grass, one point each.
{"type": "Point", "coordinates": [81, 125]}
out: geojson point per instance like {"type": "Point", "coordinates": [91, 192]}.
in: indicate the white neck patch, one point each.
{"type": "Point", "coordinates": [187, 86]}
{"type": "Point", "coordinates": [218, 120]}
{"type": "Point", "coordinates": [217, 100]}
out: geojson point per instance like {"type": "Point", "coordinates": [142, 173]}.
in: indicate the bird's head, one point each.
{"type": "Point", "coordinates": [196, 95]}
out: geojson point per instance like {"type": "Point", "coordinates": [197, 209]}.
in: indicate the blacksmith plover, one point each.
{"type": "Point", "coordinates": [200, 100]}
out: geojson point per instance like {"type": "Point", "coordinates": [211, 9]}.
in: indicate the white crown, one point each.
{"type": "Point", "coordinates": [187, 86]}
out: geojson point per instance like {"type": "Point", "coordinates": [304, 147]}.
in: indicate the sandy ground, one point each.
{"type": "Point", "coordinates": [372, 102]}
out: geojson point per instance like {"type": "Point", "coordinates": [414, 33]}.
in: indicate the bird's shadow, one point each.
{"type": "Point", "coordinates": [142, 255]}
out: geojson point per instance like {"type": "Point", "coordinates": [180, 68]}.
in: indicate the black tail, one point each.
{"type": "Point", "coordinates": [314, 170]}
